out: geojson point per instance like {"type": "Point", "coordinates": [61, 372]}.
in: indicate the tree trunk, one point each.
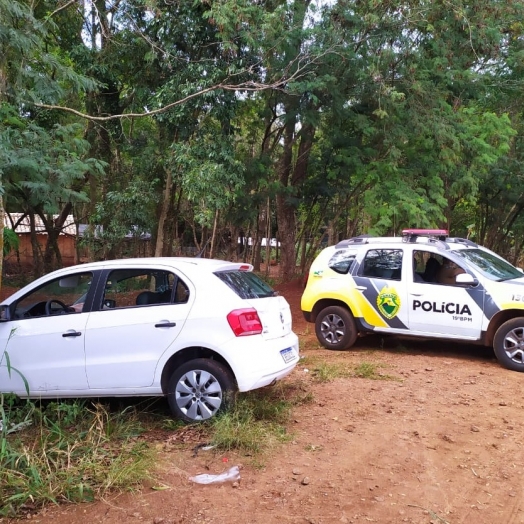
{"type": "Point", "coordinates": [53, 230]}
{"type": "Point", "coordinates": [159, 246]}
{"type": "Point", "coordinates": [37, 258]}
{"type": "Point", "coordinates": [291, 178]}
{"type": "Point", "coordinates": [285, 211]}
{"type": "Point", "coordinates": [213, 236]}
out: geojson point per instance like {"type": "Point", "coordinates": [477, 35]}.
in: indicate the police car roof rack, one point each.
{"type": "Point", "coordinates": [361, 239]}
{"type": "Point", "coordinates": [465, 241]}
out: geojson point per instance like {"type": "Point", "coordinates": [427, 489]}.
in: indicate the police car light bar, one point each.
{"type": "Point", "coordinates": [433, 235]}
{"type": "Point", "coordinates": [426, 232]}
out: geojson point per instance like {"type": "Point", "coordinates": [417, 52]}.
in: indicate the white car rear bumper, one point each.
{"type": "Point", "coordinates": [260, 362]}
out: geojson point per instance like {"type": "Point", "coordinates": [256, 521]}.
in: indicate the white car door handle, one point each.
{"type": "Point", "coordinates": [165, 324]}
{"type": "Point", "coordinates": [72, 334]}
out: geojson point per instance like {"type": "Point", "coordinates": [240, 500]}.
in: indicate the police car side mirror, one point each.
{"type": "Point", "coordinates": [465, 279]}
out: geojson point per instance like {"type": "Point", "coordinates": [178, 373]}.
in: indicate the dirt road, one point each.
{"type": "Point", "coordinates": [438, 441]}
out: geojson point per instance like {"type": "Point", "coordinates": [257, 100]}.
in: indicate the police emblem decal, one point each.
{"type": "Point", "coordinates": [388, 302]}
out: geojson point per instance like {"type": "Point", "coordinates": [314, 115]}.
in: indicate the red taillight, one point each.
{"type": "Point", "coordinates": [245, 322]}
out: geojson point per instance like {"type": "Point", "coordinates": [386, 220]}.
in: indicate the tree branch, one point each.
{"type": "Point", "coordinates": [61, 8]}
{"type": "Point", "coordinates": [250, 85]}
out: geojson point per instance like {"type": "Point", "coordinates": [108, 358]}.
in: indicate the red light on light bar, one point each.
{"type": "Point", "coordinates": [244, 267]}
{"type": "Point", "coordinates": [426, 232]}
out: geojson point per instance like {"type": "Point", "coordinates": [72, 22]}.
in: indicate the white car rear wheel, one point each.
{"type": "Point", "coordinates": [200, 389]}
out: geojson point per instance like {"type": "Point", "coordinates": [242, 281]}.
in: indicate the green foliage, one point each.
{"type": "Point", "coordinates": [349, 117]}
{"type": "Point", "coordinates": [370, 371]}
{"type": "Point", "coordinates": [41, 167]}
{"type": "Point", "coordinates": [210, 175]}
{"type": "Point", "coordinates": [128, 211]}
{"type": "Point", "coordinates": [34, 72]}
{"type": "Point", "coordinates": [257, 422]}
{"type": "Point", "coordinates": [11, 241]}
{"type": "Point", "coordinates": [327, 371]}
{"type": "Point", "coordinates": [66, 451]}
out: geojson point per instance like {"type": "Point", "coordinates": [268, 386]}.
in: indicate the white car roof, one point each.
{"type": "Point", "coordinates": [185, 265]}
{"type": "Point", "coordinates": [177, 262]}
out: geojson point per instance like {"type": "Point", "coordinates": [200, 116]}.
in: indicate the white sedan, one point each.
{"type": "Point", "coordinates": [196, 330]}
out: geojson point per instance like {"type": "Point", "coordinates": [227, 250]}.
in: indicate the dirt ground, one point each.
{"type": "Point", "coordinates": [437, 443]}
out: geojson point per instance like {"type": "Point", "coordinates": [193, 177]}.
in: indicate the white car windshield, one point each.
{"type": "Point", "coordinates": [491, 265]}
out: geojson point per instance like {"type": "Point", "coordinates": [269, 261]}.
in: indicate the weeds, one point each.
{"type": "Point", "coordinates": [370, 371]}
{"type": "Point", "coordinates": [76, 451]}
{"type": "Point", "coordinates": [366, 370]}
{"type": "Point", "coordinates": [326, 372]}
{"type": "Point", "coordinates": [73, 452]}
{"type": "Point", "coordinates": [257, 422]}
{"type": "Point", "coordinates": [314, 447]}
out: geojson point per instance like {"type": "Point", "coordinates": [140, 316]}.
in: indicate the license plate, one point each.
{"type": "Point", "coordinates": [288, 355]}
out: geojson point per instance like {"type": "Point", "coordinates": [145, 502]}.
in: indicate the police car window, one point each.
{"type": "Point", "coordinates": [491, 265]}
{"type": "Point", "coordinates": [342, 260]}
{"type": "Point", "coordinates": [383, 263]}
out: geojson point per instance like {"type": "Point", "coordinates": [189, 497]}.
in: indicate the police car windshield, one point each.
{"type": "Point", "coordinates": [491, 265]}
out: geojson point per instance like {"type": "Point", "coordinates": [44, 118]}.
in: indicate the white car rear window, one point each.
{"type": "Point", "coordinates": [245, 284]}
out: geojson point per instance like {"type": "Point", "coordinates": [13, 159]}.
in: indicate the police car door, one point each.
{"type": "Point", "coordinates": [437, 305]}
{"type": "Point", "coordinates": [382, 282]}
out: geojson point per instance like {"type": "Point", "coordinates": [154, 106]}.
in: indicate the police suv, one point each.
{"type": "Point", "coordinates": [424, 284]}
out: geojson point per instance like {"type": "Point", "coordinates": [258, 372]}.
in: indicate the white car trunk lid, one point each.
{"type": "Point", "coordinates": [275, 315]}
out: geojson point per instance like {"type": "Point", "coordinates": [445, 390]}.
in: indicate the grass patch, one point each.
{"type": "Point", "coordinates": [328, 371]}
{"type": "Point", "coordinates": [371, 371]}
{"type": "Point", "coordinates": [314, 447]}
{"type": "Point", "coordinates": [322, 371]}
{"type": "Point", "coordinates": [66, 451]}
{"type": "Point", "coordinates": [258, 421]}
{"type": "Point", "coordinates": [75, 450]}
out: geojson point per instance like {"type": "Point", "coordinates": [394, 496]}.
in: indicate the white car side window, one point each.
{"type": "Point", "coordinates": [143, 287]}
{"type": "Point", "coordinates": [60, 296]}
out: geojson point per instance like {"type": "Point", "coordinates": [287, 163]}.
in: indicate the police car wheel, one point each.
{"type": "Point", "coordinates": [509, 344]}
{"type": "Point", "coordinates": [335, 328]}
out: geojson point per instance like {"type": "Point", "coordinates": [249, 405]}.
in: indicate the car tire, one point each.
{"type": "Point", "coordinates": [199, 389]}
{"type": "Point", "coordinates": [508, 344]}
{"type": "Point", "coordinates": [335, 328]}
